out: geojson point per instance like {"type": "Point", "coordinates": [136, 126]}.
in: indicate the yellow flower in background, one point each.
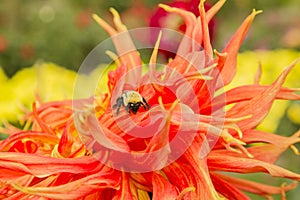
{"type": "Point", "coordinates": [272, 63]}
{"type": "Point", "coordinates": [45, 81]}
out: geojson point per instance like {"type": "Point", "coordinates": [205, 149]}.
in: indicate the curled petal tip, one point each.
{"type": "Point", "coordinates": [96, 17]}
{"type": "Point", "coordinates": [255, 12]}
{"type": "Point", "coordinates": [223, 54]}
{"type": "Point", "coordinates": [114, 12]}
{"type": "Point", "coordinates": [117, 20]}
{"type": "Point", "coordinates": [165, 7]}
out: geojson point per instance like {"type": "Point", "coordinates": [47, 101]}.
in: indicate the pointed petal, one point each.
{"type": "Point", "coordinates": [259, 106]}
{"type": "Point", "coordinates": [50, 139]}
{"type": "Point", "coordinates": [75, 189]}
{"type": "Point", "coordinates": [228, 68]}
{"type": "Point", "coordinates": [190, 22]}
{"type": "Point", "coordinates": [205, 32]}
{"type": "Point", "coordinates": [275, 146]}
{"type": "Point", "coordinates": [227, 189]}
{"type": "Point", "coordinates": [214, 9]}
{"type": "Point", "coordinates": [125, 191]}
{"type": "Point", "coordinates": [248, 92]}
{"type": "Point", "coordinates": [229, 163]}
{"type": "Point", "coordinates": [123, 43]}
{"type": "Point", "coordinates": [162, 188]}
{"type": "Point", "coordinates": [253, 187]}
{"type": "Point", "coordinates": [17, 164]}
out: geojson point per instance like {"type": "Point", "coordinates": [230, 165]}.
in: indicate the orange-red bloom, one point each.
{"type": "Point", "coordinates": [180, 148]}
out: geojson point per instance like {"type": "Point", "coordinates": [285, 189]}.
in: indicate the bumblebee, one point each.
{"type": "Point", "coordinates": [132, 101]}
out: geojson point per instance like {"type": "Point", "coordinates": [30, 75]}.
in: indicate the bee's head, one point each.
{"type": "Point", "coordinates": [134, 107]}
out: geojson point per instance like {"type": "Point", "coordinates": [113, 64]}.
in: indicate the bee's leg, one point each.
{"type": "Point", "coordinates": [145, 102]}
{"type": "Point", "coordinates": [118, 104]}
{"type": "Point", "coordinates": [127, 108]}
{"type": "Point", "coordinates": [118, 110]}
{"type": "Point", "coordinates": [144, 105]}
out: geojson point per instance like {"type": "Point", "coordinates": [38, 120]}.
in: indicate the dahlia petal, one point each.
{"type": "Point", "coordinates": [125, 191]}
{"type": "Point", "coordinates": [162, 188]}
{"type": "Point", "coordinates": [75, 189]}
{"type": "Point", "coordinates": [190, 21]}
{"type": "Point", "coordinates": [247, 92]}
{"type": "Point", "coordinates": [270, 155]}
{"type": "Point", "coordinates": [226, 188]}
{"type": "Point", "coordinates": [114, 57]}
{"type": "Point", "coordinates": [18, 164]}
{"type": "Point", "coordinates": [153, 57]}
{"type": "Point", "coordinates": [228, 68]}
{"type": "Point", "coordinates": [253, 187]}
{"type": "Point", "coordinates": [188, 17]}
{"type": "Point", "coordinates": [123, 43]}
{"type": "Point", "coordinates": [143, 195]}
{"type": "Point", "coordinates": [44, 127]}
{"type": "Point", "coordinates": [50, 139]}
{"type": "Point", "coordinates": [110, 30]}
{"type": "Point", "coordinates": [117, 20]}
{"type": "Point", "coordinates": [205, 32]}
{"type": "Point", "coordinates": [218, 160]}
{"type": "Point", "coordinates": [189, 176]}
{"type": "Point", "coordinates": [176, 172]}
{"type": "Point", "coordinates": [258, 106]}
{"type": "Point", "coordinates": [276, 144]}
{"type": "Point", "coordinates": [90, 127]}
{"type": "Point", "coordinates": [214, 9]}
{"type": "Point", "coordinates": [161, 139]}
{"type": "Point", "coordinates": [256, 136]}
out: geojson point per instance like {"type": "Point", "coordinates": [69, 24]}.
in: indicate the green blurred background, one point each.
{"type": "Point", "coordinates": [62, 32]}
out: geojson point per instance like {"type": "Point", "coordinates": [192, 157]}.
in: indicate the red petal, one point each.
{"type": "Point", "coordinates": [256, 188]}
{"type": "Point", "coordinates": [247, 92]}
{"type": "Point", "coordinates": [17, 164]}
{"type": "Point", "coordinates": [78, 188]}
{"type": "Point", "coordinates": [162, 188]}
{"type": "Point", "coordinates": [125, 191]}
{"type": "Point", "coordinates": [218, 160]}
{"type": "Point", "coordinates": [50, 139]}
{"type": "Point", "coordinates": [214, 9]}
{"type": "Point", "coordinates": [259, 106]}
{"type": "Point", "coordinates": [205, 31]}
{"type": "Point", "coordinates": [228, 67]}
{"type": "Point", "coordinates": [227, 189]}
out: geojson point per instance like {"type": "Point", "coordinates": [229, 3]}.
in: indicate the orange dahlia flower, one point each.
{"type": "Point", "coordinates": [187, 145]}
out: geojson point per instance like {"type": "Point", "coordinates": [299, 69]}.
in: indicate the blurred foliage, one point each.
{"type": "Point", "coordinates": [64, 33]}
{"type": "Point", "coordinates": [277, 27]}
